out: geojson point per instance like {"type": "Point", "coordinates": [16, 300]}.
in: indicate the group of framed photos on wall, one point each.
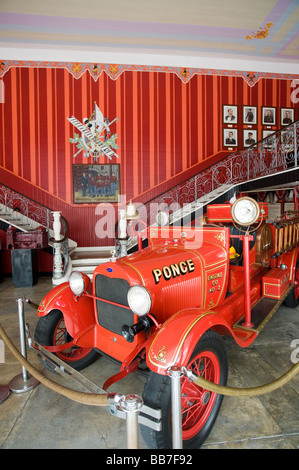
{"type": "Point", "coordinates": [269, 117]}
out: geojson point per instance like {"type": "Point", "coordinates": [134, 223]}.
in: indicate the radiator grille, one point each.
{"type": "Point", "coordinates": [112, 317]}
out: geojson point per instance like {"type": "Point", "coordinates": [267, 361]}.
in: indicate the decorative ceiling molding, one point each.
{"type": "Point", "coordinates": [77, 69]}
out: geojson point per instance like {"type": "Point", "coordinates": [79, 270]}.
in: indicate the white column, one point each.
{"type": "Point", "coordinates": [57, 268]}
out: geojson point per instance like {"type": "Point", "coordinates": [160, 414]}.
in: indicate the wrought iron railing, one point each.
{"type": "Point", "coordinates": [33, 211]}
{"type": "Point", "coordinates": [277, 152]}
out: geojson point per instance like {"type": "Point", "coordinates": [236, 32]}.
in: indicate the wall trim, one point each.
{"type": "Point", "coordinates": [114, 70]}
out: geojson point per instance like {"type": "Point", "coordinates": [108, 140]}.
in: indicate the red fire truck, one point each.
{"type": "Point", "coordinates": [172, 302]}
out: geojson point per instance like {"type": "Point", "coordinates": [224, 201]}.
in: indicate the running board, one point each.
{"type": "Point", "coordinates": [262, 312]}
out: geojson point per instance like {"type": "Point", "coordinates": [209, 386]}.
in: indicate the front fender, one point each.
{"type": "Point", "coordinates": [177, 338]}
{"type": "Point", "coordinates": [78, 312]}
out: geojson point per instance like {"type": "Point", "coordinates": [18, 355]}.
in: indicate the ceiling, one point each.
{"type": "Point", "coordinates": [203, 33]}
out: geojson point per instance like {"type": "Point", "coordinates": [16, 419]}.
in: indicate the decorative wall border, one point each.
{"type": "Point", "coordinates": [77, 69]}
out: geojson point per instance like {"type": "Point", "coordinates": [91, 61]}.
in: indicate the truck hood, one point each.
{"type": "Point", "coordinates": [175, 276]}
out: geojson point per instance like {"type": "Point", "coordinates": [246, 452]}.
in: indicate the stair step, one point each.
{"type": "Point", "coordinates": [23, 227]}
{"type": "Point", "coordinates": [87, 261]}
{"type": "Point", "coordinates": [86, 255]}
{"type": "Point", "coordinates": [9, 217]}
{"type": "Point", "coordinates": [86, 269]}
{"type": "Point", "coordinates": [194, 206]}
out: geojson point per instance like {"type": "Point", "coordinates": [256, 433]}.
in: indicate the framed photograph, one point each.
{"type": "Point", "coordinates": [96, 183]}
{"type": "Point", "coordinates": [249, 137]}
{"type": "Point", "coordinates": [268, 116]}
{"type": "Point", "coordinates": [287, 116]}
{"type": "Point", "coordinates": [230, 137]}
{"type": "Point", "coordinates": [249, 115]}
{"type": "Point", "coordinates": [267, 135]}
{"type": "Point", "coordinates": [230, 114]}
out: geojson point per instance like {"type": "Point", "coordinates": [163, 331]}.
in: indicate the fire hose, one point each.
{"type": "Point", "coordinates": [106, 398]}
{"type": "Point", "coordinates": [248, 392]}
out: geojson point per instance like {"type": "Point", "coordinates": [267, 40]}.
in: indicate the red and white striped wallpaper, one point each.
{"type": "Point", "coordinates": [167, 128]}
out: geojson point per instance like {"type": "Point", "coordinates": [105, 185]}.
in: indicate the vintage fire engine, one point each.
{"type": "Point", "coordinates": [171, 302]}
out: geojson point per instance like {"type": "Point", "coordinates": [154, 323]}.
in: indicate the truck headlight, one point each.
{"type": "Point", "coordinates": [245, 211]}
{"type": "Point", "coordinates": [139, 300]}
{"type": "Point", "coordinates": [77, 283]}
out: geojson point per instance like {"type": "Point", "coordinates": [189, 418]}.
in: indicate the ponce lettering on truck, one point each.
{"type": "Point", "coordinates": [183, 267]}
{"type": "Point", "coordinates": [171, 303]}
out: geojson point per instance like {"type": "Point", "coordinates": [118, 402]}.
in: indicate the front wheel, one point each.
{"type": "Point", "coordinates": [51, 331]}
{"type": "Point", "coordinates": [200, 407]}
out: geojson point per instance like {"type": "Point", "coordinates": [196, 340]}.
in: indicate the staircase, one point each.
{"type": "Point", "coordinates": [17, 220]}
{"type": "Point", "coordinates": [80, 259]}
{"type": "Point", "coordinates": [195, 210]}
{"type": "Point", "coordinates": [87, 259]}
{"type": "Point", "coordinates": [270, 162]}
{"type": "Point", "coordinates": [191, 211]}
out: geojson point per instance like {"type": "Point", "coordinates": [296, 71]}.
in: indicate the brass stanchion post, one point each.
{"type": "Point", "coordinates": [131, 405]}
{"type": "Point", "coordinates": [22, 382]}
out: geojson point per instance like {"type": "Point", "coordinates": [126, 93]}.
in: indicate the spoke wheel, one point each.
{"type": "Point", "coordinates": [200, 407]}
{"type": "Point", "coordinates": [61, 336]}
{"type": "Point", "coordinates": [51, 331]}
{"type": "Point", "coordinates": [197, 402]}
{"type": "Point", "coordinates": [296, 288]}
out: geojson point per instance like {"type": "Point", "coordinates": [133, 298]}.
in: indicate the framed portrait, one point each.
{"type": "Point", "coordinates": [93, 184]}
{"type": "Point", "coordinates": [230, 137]}
{"type": "Point", "coordinates": [269, 141]}
{"type": "Point", "coordinates": [249, 115]}
{"type": "Point", "coordinates": [287, 116]}
{"type": "Point", "coordinates": [249, 137]}
{"type": "Point", "coordinates": [268, 116]}
{"type": "Point", "coordinates": [230, 114]}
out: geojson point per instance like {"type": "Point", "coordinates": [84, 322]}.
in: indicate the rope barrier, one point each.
{"type": "Point", "coordinates": [248, 392]}
{"type": "Point", "coordinates": [132, 403]}
{"type": "Point", "coordinates": [104, 400]}
{"type": "Point", "coordinates": [80, 397]}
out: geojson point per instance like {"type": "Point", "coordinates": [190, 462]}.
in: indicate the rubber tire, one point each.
{"type": "Point", "coordinates": [44, 334]}
{"type": "Point", "coordinates": [157, 394]}
{"type": "Point", "coordinates": [291, 301]}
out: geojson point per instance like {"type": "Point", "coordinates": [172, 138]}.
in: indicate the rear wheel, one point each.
{"type": "Point", "coordinates": [292, 300]}
{"type": "Point", "coordinates": [200, 407]}
{"type": "Point", "coordinates": [51, 331]}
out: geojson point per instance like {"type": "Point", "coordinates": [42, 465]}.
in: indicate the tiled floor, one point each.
{"type": "Point", "coordinates": [41, 418]}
